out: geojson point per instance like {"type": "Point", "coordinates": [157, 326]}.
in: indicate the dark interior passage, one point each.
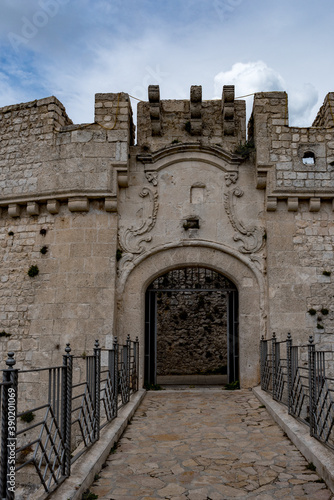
{"type": "Point", "coordinates": [191, 326]}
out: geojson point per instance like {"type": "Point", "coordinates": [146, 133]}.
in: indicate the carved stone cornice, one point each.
{"type": "Point", "coordinates": [78, 201]}
{"type": "Point", "coordinates": [218, 152]}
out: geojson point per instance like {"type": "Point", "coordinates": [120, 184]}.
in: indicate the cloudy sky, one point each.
{"type": "Point", "coordinates": [75, 48]}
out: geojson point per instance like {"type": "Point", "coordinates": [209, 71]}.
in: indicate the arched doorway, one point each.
{"type": "Point", "coordinates": [191, 324]}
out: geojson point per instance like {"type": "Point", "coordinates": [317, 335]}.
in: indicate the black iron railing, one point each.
{"type": "Point", "coordinates": [301, 377]}
{"type": "Point", "coordinates": [76, 400]}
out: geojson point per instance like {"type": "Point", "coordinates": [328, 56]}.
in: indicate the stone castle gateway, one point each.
{"type": "Point", "coordinates": [106, 222]}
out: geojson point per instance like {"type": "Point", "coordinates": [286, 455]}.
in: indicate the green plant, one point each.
{"type": "Point", "coordinates": [96, 477]}
{"type": "Point", "coordinates": [319, 326]}
{"type": "Point", "coordinates": [262, 406]}
{"type": "Point", "coordinates": [27, 417]}
{"type": "Point", "coordinates": [44, 250]}
{"type": "Point", "coordinates": [245, 149]}
{"type": "Point", "coordinates": [311, 466]}
{"type": "Point", "coordinates": [5, 334]}
{"type": "Point", "coordinates": [326, 273]}
{"type": "Point", "coordinates": [152, 387]}
{"type": "Point", "coordinates": [312, 312]}
{"type": "Point", "coordinates": [233, 386]}
{"type": "Point", "coordinates": [84, 355]}
{"type": "Point", "coordinates": [33, 271]}
{"type": "Point", "coordinates": [187, 126]}
{"type": "Point", "coordinates": [88, 495]}
{"type": "Point", "coordinates": [324, 311]}
{"type": "Point", "coordinates": [119, 254]}
{"type": "Point", "coordinates": [27, 450]}
{"type": "Point", "coordinates": [113, 449]}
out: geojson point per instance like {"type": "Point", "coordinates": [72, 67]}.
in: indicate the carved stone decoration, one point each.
{"type": "Point", "coordinates": [231, 178]}
{"type": "Point", "coordinates": [155, 105]}
{"type": "Point", "coordinates": [228, 111]}
{"type": "Point", "coordinates": [152, 177]}
{"type": "Point", "coordinates": [252, 238]}
{"type": "Point", "coordinates": [131, 239]}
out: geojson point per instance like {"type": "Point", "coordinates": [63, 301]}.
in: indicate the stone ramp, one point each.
{"type": "Point", "coordinates": [206, 444]}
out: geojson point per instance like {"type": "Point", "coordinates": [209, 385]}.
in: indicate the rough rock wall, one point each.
{"type": "Point", "coordinates": [191, 332]}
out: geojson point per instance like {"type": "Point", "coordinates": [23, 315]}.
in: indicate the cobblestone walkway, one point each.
{"type": "Point", "coordinates": [206, 445]}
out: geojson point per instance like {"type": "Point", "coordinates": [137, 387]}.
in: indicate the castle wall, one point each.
{"type": "Point", "coordinates": [300, 263]}
{"type": "Point", "coordinates": [294, 167]}
{"type": "Point", "coordinates": [60, 180]}
{"type": "Point", "coordinates": [72, 297]}
{"type": "Point", "coordinates": [116, 215]}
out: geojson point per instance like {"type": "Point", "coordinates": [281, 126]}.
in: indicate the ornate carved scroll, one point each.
{"type": "Point", "coordinates": [131, 240]}
{"type": "Point", "coordinates": [252, 238]}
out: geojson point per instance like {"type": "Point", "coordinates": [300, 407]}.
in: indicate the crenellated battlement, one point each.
{"type": "Point", "coordinates": [215, 122]}
{"type": "Point", "coordinates": [293, 163]}
{"type": "Point", "coordinates": [325, 116]}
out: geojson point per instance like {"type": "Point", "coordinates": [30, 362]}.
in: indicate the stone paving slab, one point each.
{"type": "Point", "coordinates": [206, 445]}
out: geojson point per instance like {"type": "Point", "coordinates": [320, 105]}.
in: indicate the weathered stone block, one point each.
{"type": "Point", "coordinates": [78, 204]}
{"type": "Point", "coordinates": [32, 208]}
{"type": "Point", "coordinates": [14, 210]}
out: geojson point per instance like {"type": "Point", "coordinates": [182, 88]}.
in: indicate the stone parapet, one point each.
{"type": "Point", "coordinates": [210, 123]}
{"type": "Point", "coordinates": [325, 116]}
{"type": "Point", "coordinates": [44, 156]}
{"type": "Point", "coordinates": [292, 161]}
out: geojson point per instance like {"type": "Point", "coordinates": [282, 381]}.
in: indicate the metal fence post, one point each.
{"type": "Point", "coordinates": [273, 367]}
{"type": "Point", "coordinates": [263, 360]}
{"type": "Point", "coordinates": [288, 368]}
{"type": "Point", "coordinates": [128, 361]}
{"type": "Point", "coordinates": [136, 360]}
{"type": "Point", "coordinates": [8, 429]}
{"type": "Point", "coordinates": [125, 363]}
{"type": "Point", "coordinates": [311, 373]}
{"type": "Point", "coordinates": [97, 391]}
{"type": "Point", "coordinates": [115, 375]}
{"type": "Point", "coordinates": [66, 423]}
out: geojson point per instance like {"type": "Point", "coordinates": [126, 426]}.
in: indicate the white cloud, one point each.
{"type": "Point", "coordinates": [256, 76]}
{"type": "Point", "coordinates": [249, 78]}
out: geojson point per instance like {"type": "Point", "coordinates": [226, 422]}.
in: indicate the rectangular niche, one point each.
{"type": "Point", "coordinates": [197, 193]}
